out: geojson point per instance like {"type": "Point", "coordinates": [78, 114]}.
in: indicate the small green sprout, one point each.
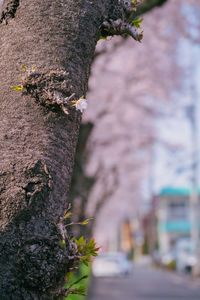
{"type": "Point", "coordinates": [103, 38]}
{"type": "Point", "coordinates": [21, 87]}
{"type": "Point", "coordinates": [86, 250]}
{"type": "Point", "coordinates": [81, 290]}
{"type": "Point", "coordinates": [137, 22]}
{"type": "Point", "coordinates": [77, 281]}
{"type": "Point", "coordinates": [85, 222]}
{"type": "Point", "coordinates": [67, 215]}
{"type": "Point", "coordinates": [69, 276]}
{"type": "Point", "coordinates": [17, 88]}
{"type": "Point", "coordinates": [62, 244]}
{"type": "Point", "coordinates": [24, 68]}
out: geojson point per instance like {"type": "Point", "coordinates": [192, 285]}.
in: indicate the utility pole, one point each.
{"type": "Point", "coordinates": [194, 204]}
{"type": "Point", "coordinates": [194, 198]}
{"type": "Point", "coordinates": [152, 226]}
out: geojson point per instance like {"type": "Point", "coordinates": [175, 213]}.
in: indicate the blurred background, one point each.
{"type": "Point", "coordinates": [137, 162]}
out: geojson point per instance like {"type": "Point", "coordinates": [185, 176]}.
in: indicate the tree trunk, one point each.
{"type": "Point", "coordinates": [38, 142]}
{"type": "Point", "coordinates": [37, 139]}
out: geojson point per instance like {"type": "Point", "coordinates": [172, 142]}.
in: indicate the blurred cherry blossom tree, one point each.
{"type": "Point", "coordinates": [130, 88]}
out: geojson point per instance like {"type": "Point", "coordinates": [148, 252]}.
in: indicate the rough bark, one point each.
{"type": "Point", "coordinates": [37, 140]}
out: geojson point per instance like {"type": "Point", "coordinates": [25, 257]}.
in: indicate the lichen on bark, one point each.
{"type": "Point", "coordinates": [48, 88]}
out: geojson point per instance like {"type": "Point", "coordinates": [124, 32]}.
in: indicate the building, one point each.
{"type": "Point", "coordinates": [173, 216]}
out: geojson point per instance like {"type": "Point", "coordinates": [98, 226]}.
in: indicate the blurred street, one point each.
{"type": "Point", "coordinates": [145, 283]}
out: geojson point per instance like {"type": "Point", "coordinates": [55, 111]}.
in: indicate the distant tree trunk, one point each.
{"type": "Point", "coordinates": [37, 140]}
{"type": "Point", "coordinates": [148, 5]}
{"type": "Point", "coordinates": [81, 184]}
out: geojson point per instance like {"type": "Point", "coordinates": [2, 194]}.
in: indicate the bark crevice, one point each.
{"type": "Point", "coordinates": [8, 10]}
{"type": "Point", "coordinates": [39, 183]}
{"type": "Point", "coordinates": [35, 262]}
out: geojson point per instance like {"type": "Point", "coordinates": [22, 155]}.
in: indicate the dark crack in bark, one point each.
{"type": "Point", "coordinates": [8, 10]}
{"type": "Point", "coordinates": [38, 262]}
{"type": "Point", "coordinates": [39, 182]}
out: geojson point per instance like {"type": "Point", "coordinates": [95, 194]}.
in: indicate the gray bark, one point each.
{"type": "Point", "coordinates": [37, 140]}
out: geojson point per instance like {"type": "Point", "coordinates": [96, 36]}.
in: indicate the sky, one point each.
{"type": "Point", "coordinates": [176, 128]}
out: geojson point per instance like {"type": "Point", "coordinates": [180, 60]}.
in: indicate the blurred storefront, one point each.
{"type": "Point", "coordinates": [173, 216]}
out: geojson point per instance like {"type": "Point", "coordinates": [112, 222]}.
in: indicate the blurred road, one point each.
{"type": "Point", "coordinates": [145, 284]}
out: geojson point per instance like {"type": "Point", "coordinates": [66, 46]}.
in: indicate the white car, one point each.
{"type": "Point", "coordinates": [111, 264]}
{"type": "Point", "coordinates": [185, 259]}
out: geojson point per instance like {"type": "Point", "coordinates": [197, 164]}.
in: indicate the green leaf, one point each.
{"type": "Point", "coordinates": [82, 290]}
{"type": "Point", "coordinates": [137, 21]}
{"type": "Point", "coordinates": [78, 280]}
{"type": "Point", "coordinates": [84, 262]}
{"type": "Point", "coordinates": [81, 241]}
{"type": "Point", "coordinates": [78, 291]}
{"type": "Point", "coordinates": [62, 244]}
{"type": "Point", "coordinates": [23, 67]}
{"type": "Point", "coordinates": [69, 275]}
{"type": "Point", "coordinates": [68, 215]}
{"type": "Point", "coordinates": [103, 38]}
{"type": "Point", "coordinates": [17, 88]}
{"type": "Point", "coordinates": [87, 221]}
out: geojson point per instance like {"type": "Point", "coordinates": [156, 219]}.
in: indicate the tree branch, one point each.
{"type": "Point", "coordinates": [147, 5]}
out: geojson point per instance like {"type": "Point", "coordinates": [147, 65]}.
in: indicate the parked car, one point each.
{"type": "Point", "coordinates": [111, 264]}
{"type": "Point", "coordinates": [185, 258]}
